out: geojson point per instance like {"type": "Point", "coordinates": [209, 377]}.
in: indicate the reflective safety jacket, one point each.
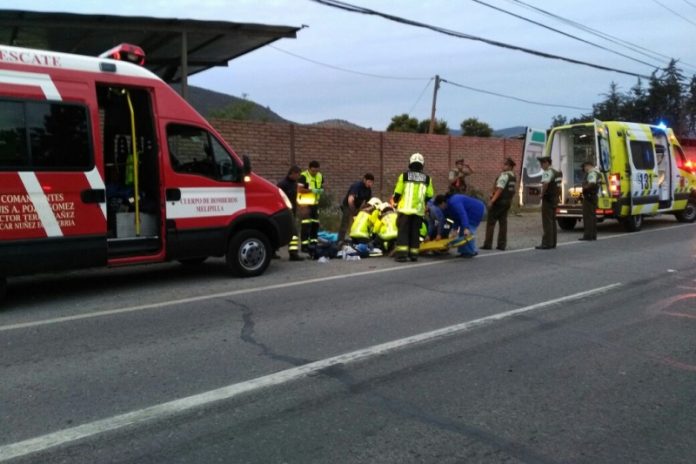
{"type": "Point", "coordinates": [413, 189]}
{"type": "Point", "coordinates": [363, 224]}
{"type": "Point", "coordinates": [386, 228]}
{"type": "Point", "coordinates": [312, 182]}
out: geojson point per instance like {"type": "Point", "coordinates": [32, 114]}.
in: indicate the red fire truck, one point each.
{"type": "Point", "coordinates": [104, 164]}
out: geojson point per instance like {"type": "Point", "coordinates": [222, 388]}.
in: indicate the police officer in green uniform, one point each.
{"type": "Point", "coordinates": [550, 191]}
{"type": "Point", "coordinates": [412, 191]}
{"type": "Point", "coordinates": [499, 205]}
{"type": "Point", "coordinates": [590, 191]}
{"type": "Point", "coordinates": [310, 187]}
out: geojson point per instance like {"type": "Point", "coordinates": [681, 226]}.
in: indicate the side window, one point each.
{"type": "Point", "coordinates": [642, 155]}
{"type": "Point", "coordinates": [680, 157]}
{"type": "Point", "coordinates": [13, 136]}
{"type": "Point", "coordinates": [193, 150]}
{"type": "Point", "coordinates": [58, 135]}
{"type": "Point", "coordinates": [44, 136]}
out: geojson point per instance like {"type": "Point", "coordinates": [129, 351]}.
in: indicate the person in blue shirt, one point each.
{"type": "Point", "coordinates": [436, 221]}
{"type": "Point", "coordinates": [466, 212]}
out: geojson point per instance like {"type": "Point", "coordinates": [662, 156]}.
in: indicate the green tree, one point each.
{"type": "Point", "coordinates": [690, 106]}
{"type": "Point", "coordinates": [559, 120]}
{"type": "Point", "coordinates": [666, 97]}
{"type": "Point", "coordinates": [474, 127]}
{"type": "Point", "coordinates": [636, 106]}
{"type": "Point", "coordinates": [403, 123]}
{"type": "Point", "coordinates": [611, 108]}
{"type": "Point", "coordinates": [440, 126]}
{"type": "Point", "coordinates": [241, 110]}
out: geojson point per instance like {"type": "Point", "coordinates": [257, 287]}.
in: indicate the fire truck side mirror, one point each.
{"type": "Point", "coordinates": [247, 165]}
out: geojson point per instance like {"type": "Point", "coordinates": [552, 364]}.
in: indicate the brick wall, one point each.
{"type": "Point", "coordinates": [345, 154]}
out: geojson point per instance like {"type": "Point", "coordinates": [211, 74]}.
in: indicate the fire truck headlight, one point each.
{"type": "Point", "coordinates": [287, 201]}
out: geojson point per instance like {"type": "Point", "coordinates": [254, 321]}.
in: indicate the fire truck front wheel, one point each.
{"type": "Point", "coordinates": [249, 253]}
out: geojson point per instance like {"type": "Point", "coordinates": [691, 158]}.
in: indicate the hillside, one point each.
{"type": "Point", "coordinates": [207, 101]}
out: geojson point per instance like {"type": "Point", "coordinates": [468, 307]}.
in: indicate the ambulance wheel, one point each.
{"type": "Point", "coordinates": [192, 262]}
{"type": "Point", "coordinates": [633, 223]}
{"type": "Point", "coordinates": [249, 253]}
{"type": "Point", "coordinates": [567, 223]}
{"type": "Point", "coordinates": [688, 214]}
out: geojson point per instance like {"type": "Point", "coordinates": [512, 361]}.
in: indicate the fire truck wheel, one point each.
{"type": "Point", "coordinates": [567, 223]}
{"type": "Point", "coordinates": [249, 253]}
{"type": "Point", "coordinates": [633, 223]}
{"type": "Point", "coordinates": [192, 262]}
{"type": "Point", "coordinates": [688, 214]}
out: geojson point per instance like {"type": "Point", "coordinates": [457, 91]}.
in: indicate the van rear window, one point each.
{"type": "Point", "coordinates": [44, 136]}
{"type": "Point", "coordinates": [642, 155]}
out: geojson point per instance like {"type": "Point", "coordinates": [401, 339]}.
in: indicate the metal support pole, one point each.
{"type": "Point", "coordinates": [184, 65]}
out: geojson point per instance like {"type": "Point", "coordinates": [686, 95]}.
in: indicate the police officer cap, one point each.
{"type": "Point", "coordinates": [510, 162]}
{"type": "Point", "coordinates": [587, 163]}
{"type": "Point", "coordinates": [544, 158]}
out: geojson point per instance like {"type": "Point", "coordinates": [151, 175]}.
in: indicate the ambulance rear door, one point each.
{"type": "Point", "coordinates": [644, 193]}
{"type": "Point", "coordinates": [603, 162]}
{"type": "Point", "coordinates": [530, 174]}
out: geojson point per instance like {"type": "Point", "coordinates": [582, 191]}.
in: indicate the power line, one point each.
{"type": "Point", "coordinates": [338, 68]}
{"type": "Point", "coordinates": [608, 37]}
{"type": "Point", "coordinates": [480, 2]}
{"type": "Point", "coordinates": [420, 96]}
{"type": "Point", "coordinates": [676, 13]}
{"type": "Point", "coordinates": [689, 3]}
{"type": "Point", "coordinates": [357, 9]}
{"type": "Point", "coordinates": [531, 102]}
{"type": "Point", "coordinates": [474, 89]}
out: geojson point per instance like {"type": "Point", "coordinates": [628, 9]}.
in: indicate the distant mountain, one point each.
{"type": "Point", "coordinates": [338, 123]}
{"type": "Point", "coordinates": [207, 101]}
{"type": "Point", "coordinates": [511, 132]}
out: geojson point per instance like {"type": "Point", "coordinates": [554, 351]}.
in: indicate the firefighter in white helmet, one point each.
{"type": "Point", "coordinates": [412, 191]}
{"type": "Point", "coordinates": [364, 223]}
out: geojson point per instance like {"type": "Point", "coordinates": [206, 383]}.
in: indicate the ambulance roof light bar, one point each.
{"type": "Point", "coordinates": [126, 52]}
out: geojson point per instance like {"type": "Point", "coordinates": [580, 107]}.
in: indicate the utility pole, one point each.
{"type": "Point", "coordinates": [431, 130]}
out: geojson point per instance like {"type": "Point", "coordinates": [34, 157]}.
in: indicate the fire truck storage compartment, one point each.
{"type": "Point", "coordinates": [124, 111]}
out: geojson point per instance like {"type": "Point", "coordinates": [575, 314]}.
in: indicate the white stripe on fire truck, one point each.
{"type": "Point", "coordinates": [41, 205]}
{"type": "Point", "coordinates": [97, 183]}
{"type": "Point", "coordinates": [32, 79]}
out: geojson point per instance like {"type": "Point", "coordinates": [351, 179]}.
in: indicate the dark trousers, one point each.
{"type": "Point", "coordinates": [408, 238]}
{"type": "Point", "coordinates": [589, 218]}
{"type": "Point", "coordinates": [346, 221]}
{"type": "Point", "coordinates": [497, 214]}
{"type": "Point", "coordinates": [548, 222]}
{"type": "Point", "coordinates": [310, 228]}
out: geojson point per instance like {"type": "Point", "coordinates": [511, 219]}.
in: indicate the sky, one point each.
{"type": "Point", "coordinates": [304, 92]}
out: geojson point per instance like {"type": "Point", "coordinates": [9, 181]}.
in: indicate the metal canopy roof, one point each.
{"type": "Point", "coordinates": [206, 43]}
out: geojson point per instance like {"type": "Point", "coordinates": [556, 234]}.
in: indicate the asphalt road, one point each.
{"type": "Point", "coordinates": [584, 354]}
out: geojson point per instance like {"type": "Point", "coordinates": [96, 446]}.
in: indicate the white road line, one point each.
{"type": "Point", "coordinates": [164, 410]}
{"type": "Point", "coordinates": [212, 296]}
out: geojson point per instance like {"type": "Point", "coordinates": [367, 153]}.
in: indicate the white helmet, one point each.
{"type": "Point", "coordinates": [374, 201]}
{"type": "Point", "coordinates": [416, 158]}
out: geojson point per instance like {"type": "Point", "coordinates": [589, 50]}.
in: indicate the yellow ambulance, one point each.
{"type": "Point", "coordinates": [643, 168]}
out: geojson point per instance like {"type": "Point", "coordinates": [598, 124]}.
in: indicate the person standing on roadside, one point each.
{"type": "Point", "coordinates": [358, 194]}
{"type": "Point", "coordinates": [550, 191]}
{"type": "Point", "coordinates": [412, 191]}
{"type": "Point", "coordinates": [590, 198]}
{"type": "Point", "coordinates": [499, 205]}
{"type": "Point", "coordinates": [289, 187]}
{"type": "Point", "coordinates": [457, 176]}
{"type": "Point", "coordinates": [310, 188]}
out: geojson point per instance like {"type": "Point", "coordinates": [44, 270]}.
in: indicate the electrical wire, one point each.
{"type": "Point", "coordinates": [531, 102]}
{"type": "Point", "coordinates": [580, 39]}
{"type": "Point", "coordinates": [676, 13]}
{"type": "Point", "coordinates": [689, 3]}
{"type": "Point", "coordinates": [420, 96]}
{"type": "Point", "coordinates": [338, 68]}
{"type": "Point", "coordinates": [473, 89]}
{"type": "Point", "coordinates": [357, 9]}
{"type": "Point", "coordinates": [608, 37]}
